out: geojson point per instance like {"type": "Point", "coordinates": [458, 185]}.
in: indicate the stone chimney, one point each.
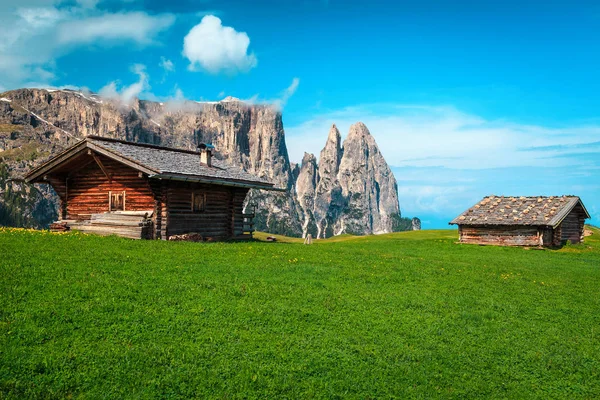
{"type": "Point", "coordinates": [206, 154]}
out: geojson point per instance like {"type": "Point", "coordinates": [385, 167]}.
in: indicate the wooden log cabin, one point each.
{"type": "Point", "coordinates": [523, 221]}
{"type": "Point", "coordinates": [110, 186]}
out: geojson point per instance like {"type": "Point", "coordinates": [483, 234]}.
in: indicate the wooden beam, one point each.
{"type": "Point", "coordinates": [109, 176]}
{"type": "Point", "coordinates": [43, 169]}
{"type": "Point", "coordinates": [121, 159]}
{"type": "Point", "coordinates": [79, 167]}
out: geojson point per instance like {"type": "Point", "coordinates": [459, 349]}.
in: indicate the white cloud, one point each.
{"type": "Point", "coordinates": [138, 27]}
{"type": "Point", "coordinates": [215, 48]}
{"type": "Point", "coordinates": [166, 64]}
{"type": "Point", "coordinates": [167, 67]}
{"type": "Point", "coordinates": [37, 18]}
{"type": "Point", "coordinates": [127, 94]}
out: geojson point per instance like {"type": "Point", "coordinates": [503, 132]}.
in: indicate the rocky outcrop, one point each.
{"type": "Point", "coordinates": [350, 190]}
{"type": "Point", "coordinates": [416, 224]}
{"type": "Point", "coordinates": [356, 191]}
{"type": "Point", "coordinates": [329, 201]}
{"type": "Point", "coordinates": [306, 186]}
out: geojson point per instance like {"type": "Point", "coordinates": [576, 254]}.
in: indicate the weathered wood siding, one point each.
{"type": "Point", "coordinates": [238, 197]}
{"type": "Point", "coordinates": [571, 228]}
{"type": "Point", "coordinates": [221, 218]}
{"type": "Point", "coordinates": [548, 236]}
{"type": "Point", "coordinates": [87, 189]}
{"type": "Point", "coordinates": [500, 235]}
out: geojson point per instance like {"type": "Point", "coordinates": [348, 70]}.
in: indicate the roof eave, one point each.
{"type": "Point", "coordinates": [120, 158]}
{"type": "Point", "coordinates": [557, 220]}
{"type": "Point", "coordinates": [34, 175]}
{"type": "Point", "coordinates": [471, 223]}
{"type": "Point", "coordinates": [41, 170]}
{"type": "Point", "coordinates": [217, 181]}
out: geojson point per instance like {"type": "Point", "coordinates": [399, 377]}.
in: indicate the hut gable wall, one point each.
{"type": "Point", "coordinates": [88, 188]}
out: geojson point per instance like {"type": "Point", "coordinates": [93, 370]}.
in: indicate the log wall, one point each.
{"type": "Point", "coordinates": [501, 235]}
{"type": "Point", "coordinates": [238, 206]}
{"type": "Point", "coordinates": [87, 189]}
{"type": "Point", "coordinates": [222, 217]}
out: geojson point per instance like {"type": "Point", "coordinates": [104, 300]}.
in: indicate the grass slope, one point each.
{"type": "Point", "coordinates": [403, 315]}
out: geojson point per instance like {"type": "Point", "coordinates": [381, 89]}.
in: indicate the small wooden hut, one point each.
{"type": "Point", "coordinates": [523, 221]}
{"type": "Point", "coordinates": [110, 186]}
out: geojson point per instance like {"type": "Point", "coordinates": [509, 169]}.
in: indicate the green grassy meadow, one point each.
{"type": "Point", "coordinates": [405, 315]}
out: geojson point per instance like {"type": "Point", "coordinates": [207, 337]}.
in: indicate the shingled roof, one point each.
{"type": "Point", "coordinates": [536, 211]}
{"type": "Point", "coordinates": [158, 162]}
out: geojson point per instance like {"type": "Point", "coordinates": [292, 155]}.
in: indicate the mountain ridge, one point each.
{"type": "Point", "coordinates": [37, 123]}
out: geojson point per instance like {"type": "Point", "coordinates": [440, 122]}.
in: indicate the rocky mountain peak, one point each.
{"type": "Point", "coordinates": [306, 185]}
{"type": "Point", "coordinates": [331, 154]}
{"type": "Point", "coordinates": [230, 99]}
{"type": "Point", "coordinates": [355, 192]}
{"type": "Point", "coordinates": [358, 129]}
{"type": "Point", "coordinates": [369, 184]}
{"type": "Point", "coordinates": [334, 135]}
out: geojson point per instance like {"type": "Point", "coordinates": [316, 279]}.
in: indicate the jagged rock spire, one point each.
{"type": "Point", "coordinates": [306, 185]}
{"type": "Point", "coordinates": [355, 192]}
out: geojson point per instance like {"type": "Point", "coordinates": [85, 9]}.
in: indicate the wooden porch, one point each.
{"type": "Point", "coordinates": [128, 224]}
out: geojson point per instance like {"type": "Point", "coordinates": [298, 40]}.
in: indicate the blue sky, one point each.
{"type": "Point", "coordinates": [465, 98]}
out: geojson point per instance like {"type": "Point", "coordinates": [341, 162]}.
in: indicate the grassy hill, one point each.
{"type": "Point", "coordinates": [404, 315]}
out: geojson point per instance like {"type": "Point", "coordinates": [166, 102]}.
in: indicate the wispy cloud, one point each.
{"type": "Point", "coordinates": [417, 135]}
{"type": "Point", "coordinates": [166, 64]}
{"type": "Point", "coordinates": [287, 93]}
{"type": "Point", "coordinates": [37, 32]}
{"type": "Point", "coordinates": [277, 102]}
{"type": "Point", "coordinates": [126, 94]}
{"type": "Point", "coordinates": [138, 27]}
{"type": "Point", "coordinates": [563, 147]}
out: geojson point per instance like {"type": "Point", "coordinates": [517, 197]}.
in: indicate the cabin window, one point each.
{"type": "Point", "coordinates": [198, 202]}
{"type": "Point", "coordinates": [116, 201]}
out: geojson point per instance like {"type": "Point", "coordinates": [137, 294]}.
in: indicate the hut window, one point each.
{"type": "Point", "coordinates": [198, 202]}
{"type": "Point", "coordinates": [116, 201]}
